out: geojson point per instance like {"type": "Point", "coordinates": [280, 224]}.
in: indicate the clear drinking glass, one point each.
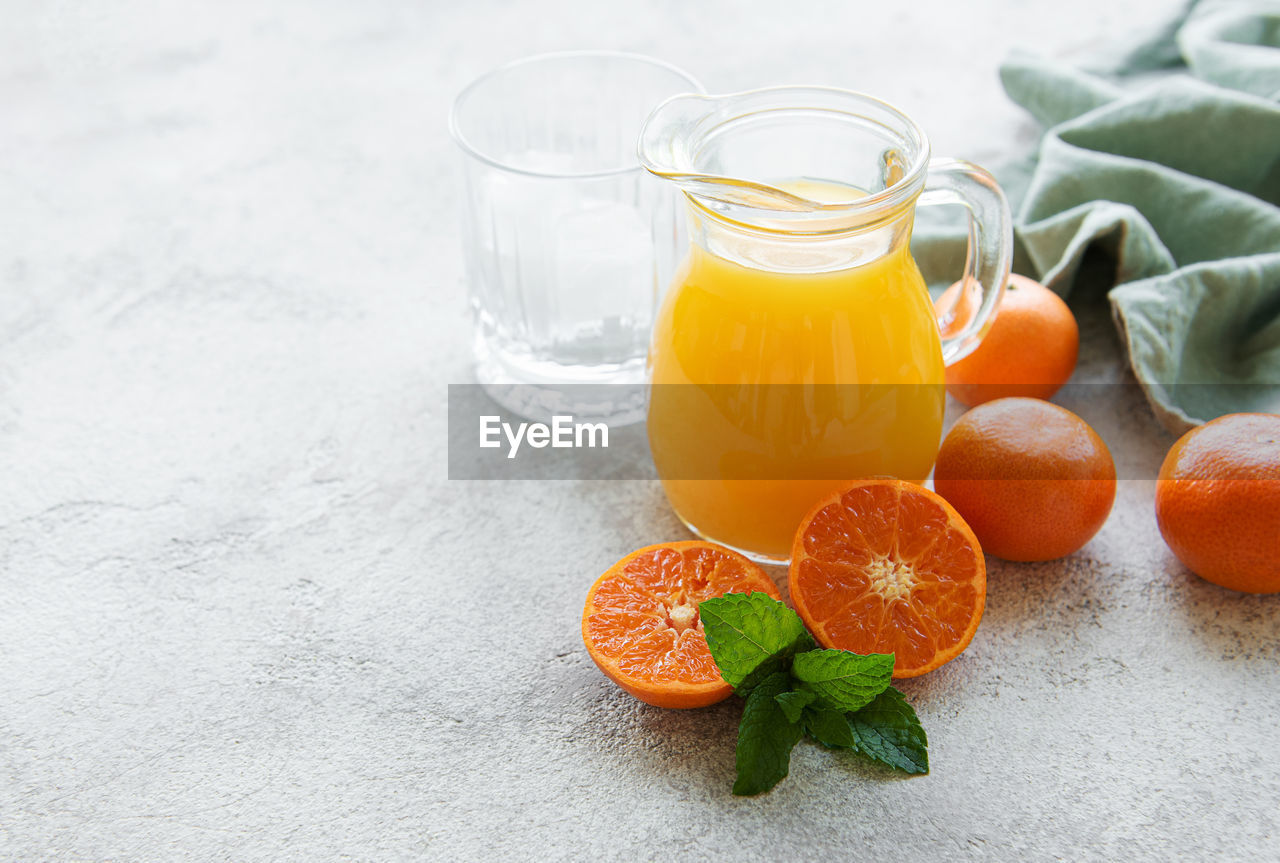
{"type": "Point", "coordinates": [569, 242]}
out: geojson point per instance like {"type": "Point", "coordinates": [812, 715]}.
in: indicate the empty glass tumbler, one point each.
{"type": "Point", "coordinates": [569, 242]}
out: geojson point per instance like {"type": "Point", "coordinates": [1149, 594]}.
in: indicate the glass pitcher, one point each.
{"type": "Point", "coordinates": [798, 347]}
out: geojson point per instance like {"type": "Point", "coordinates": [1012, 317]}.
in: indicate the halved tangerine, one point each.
{"type": "Point", "coordinates": [887, 566]}
{"type": "Point", "coordinates": [641, 622]}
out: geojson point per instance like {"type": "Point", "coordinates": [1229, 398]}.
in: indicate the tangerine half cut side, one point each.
{"type": "Point", "coordinates": [641, 624]}
{"type": "Point", "coordinates": [887, 566]}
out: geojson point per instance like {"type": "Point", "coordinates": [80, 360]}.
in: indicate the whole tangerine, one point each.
{"type": "Point", "coordinates": [1030, 350]}
{"type": "Point", "coordinates": [1031, 479]}
{"type": "Point", "coordinates": [1218, 501]}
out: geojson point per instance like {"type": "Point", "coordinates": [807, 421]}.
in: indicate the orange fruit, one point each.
{"type": "Point", "coordinates": [1029, 351]}
{"type": "Point", "coordinates": [1218, 501]}
{"type": "Point", "coordinates": [641, 622]}
{"type": "Point", "coordinates": [1032, 479]}
{"type": "Point", "coordinates": [887, 566]}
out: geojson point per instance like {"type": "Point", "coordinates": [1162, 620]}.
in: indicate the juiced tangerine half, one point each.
{"type": "Point", "coordinates": [887, 566]}
{"type": "Point", "coordinates": [641, 622]}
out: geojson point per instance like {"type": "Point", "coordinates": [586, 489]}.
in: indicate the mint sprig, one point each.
{"type": "Point", "coordinates": [842, 680]}
{"type": "Point", "coordinates": [840, 699]}
{"type": "Point", "coordinates": [793, 702]}
{"type": "Point", "coordinates": [751, 635]}
{"type": "Point", "coordinates": [765, 738]}
{"type": "Point", "coordinates": [888, 730]}
{"type": "Point", "coordinates": [831, 728]}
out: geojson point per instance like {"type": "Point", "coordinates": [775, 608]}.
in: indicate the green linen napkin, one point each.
{"type": "Point", "coordinates": [1168, 163]}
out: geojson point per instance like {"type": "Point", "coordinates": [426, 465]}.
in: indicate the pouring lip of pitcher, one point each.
{"type": "Point", "coordinates": [679, 129]}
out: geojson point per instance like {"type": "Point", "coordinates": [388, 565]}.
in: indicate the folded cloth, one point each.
{"type": "Point", "coordinates": [1168, 163]}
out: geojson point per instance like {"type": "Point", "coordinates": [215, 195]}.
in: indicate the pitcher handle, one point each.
{"type": "Point", "coordinates": [986, 267]}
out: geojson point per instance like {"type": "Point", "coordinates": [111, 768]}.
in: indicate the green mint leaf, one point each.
{"type": "Point", "coordinates": [830, 728]}
{"type": "Point", "coordinates": [765, 738]}
{"type": "Point", "coordinates": [842, 680]}
{"type": "Point", "coordinates": [794, 702]}
{"type": "Point", "coordinates": [751, 635]}
{"type": "Point", "coordinates": [888, 730]}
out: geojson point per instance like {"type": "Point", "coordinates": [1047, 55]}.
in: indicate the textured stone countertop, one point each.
{"type": "Point", "coordinates": [245, 616]}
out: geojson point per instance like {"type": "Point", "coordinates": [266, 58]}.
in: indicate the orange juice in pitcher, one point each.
{"type": "Point", "coordinates": [797, 347]}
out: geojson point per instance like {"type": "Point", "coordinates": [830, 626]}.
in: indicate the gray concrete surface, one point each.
{"type": "Point", "coordinates": [243, 614]}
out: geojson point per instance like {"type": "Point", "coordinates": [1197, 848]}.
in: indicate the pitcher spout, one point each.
{"type": "Point", "coordinates": [809, 159]}
{"type": "Point", "coordinates": [670, 145]}
{"type": "Point", "coordinates": [665, 138]}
